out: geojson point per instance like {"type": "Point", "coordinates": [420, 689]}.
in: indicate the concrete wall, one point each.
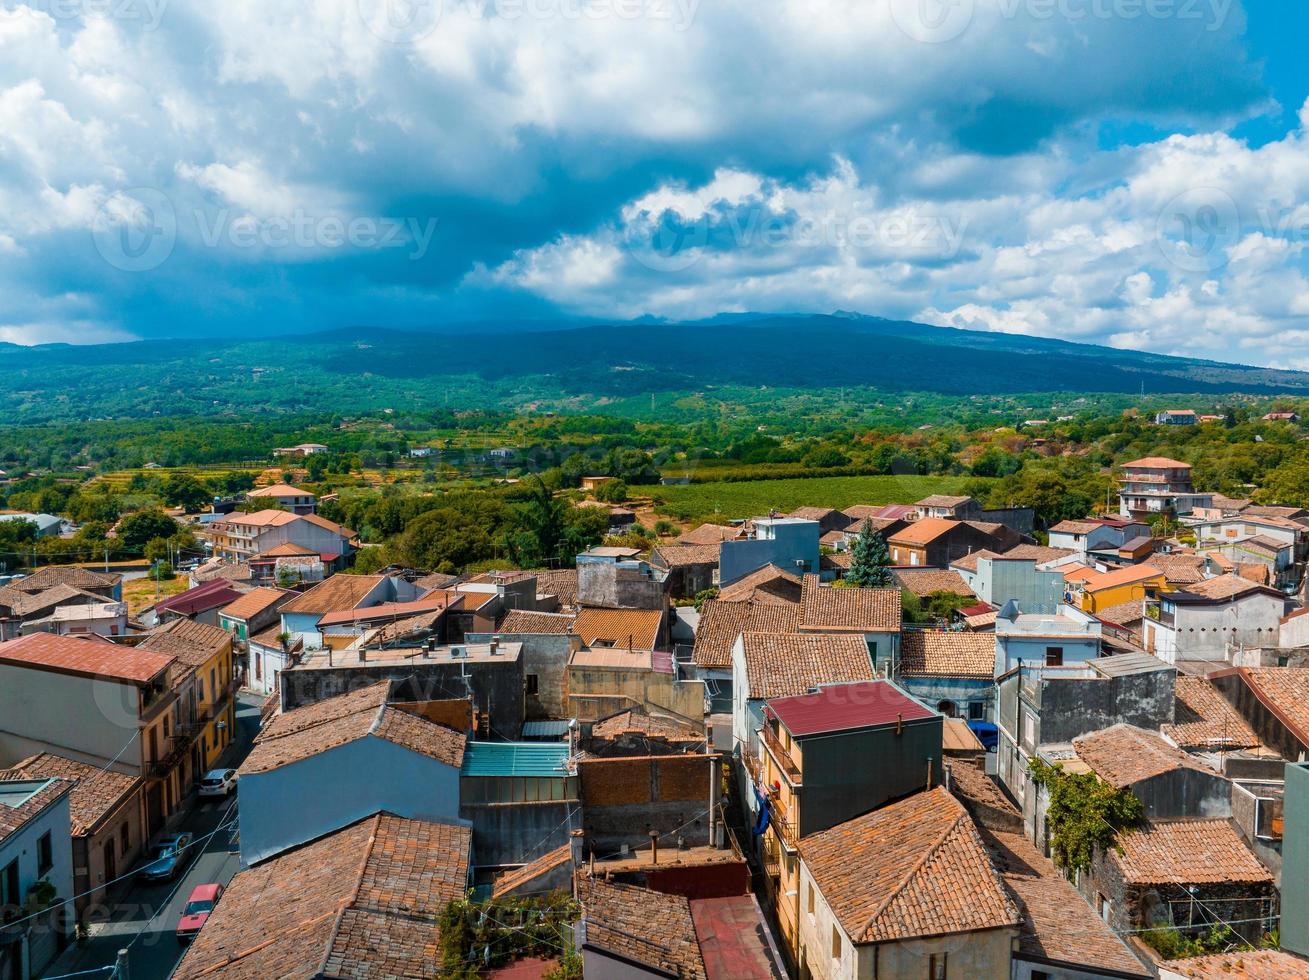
{"type": "Point", "coordinates": [495, 688]}
{"type": "Point", "coordinates": [1185, 793]}
{"type": "Point", "coordinates": [628, 585]}
{"type": "Point", "coordinates": [791, 543]}
{"type": "Point", "coordinates": [545, 656]}
{"type": "Point", "coordinates": [515, 833]}
{"type": "Point", "coordinates": [624, 799]}
{"type": "Point", "coordinates": [42, 945]}
{"type": "Point", "coordinates": [1205, 632]}
{"type": "Point", "coordinates": [302, 801]}
{"type": "Point", "coordinates": [1265, 724]}
{"type": "Point", "coordinates": [1036, 591]}
{"type": "Point", "coordinates": [1295, 861]}
{"type": "Point", "coordinates": [90, 720]}
{"type": "Point", "coordinates": [594, 692]}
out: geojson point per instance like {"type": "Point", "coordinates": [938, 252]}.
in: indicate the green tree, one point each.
{"type": "Point", "coordinates": [611, 492]}
{"type": "Point", "coordinates": [870, 560]}
{"type": "Point", "coordinates": [136, 530]}
{"type": "Point", "coordinates": [182, 490]}
{"type": "Point", "coordinates": [824, 457]}
{"type": "Point", "coordinates": [1084, 814]}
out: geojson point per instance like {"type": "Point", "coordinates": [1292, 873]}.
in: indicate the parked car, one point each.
{"type": "Point", "coordinates": [196, 914]}
{"type": "Point", "coordinates": [218, 782]}
{"type": "Point", "coordinates": [987, 732]}
{"type": "Point", "coordinates": [167, 858]}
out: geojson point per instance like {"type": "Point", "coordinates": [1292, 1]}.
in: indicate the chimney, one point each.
{"type": "Point", "coordinates": [495, 645]}
{"type": "Point", "coordinates": [654, 847]}
{"type": "Point", "coordinates": [576, 841]}
{"type": "Point", "coordinates": [363, 656]}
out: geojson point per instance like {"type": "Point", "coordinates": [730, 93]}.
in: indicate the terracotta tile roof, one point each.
{"type": "Point", "coordinates": [518, 621]}
{"type": "Point", "coordinates": [214, 568]}
{"type": "Point", "coordinates": [1187, 851]}
{"type": "Point", "coordinates": [860, 610]}
{"type": "Point", "coordinates": [1262, 964]}
{"type": "Point", "coordinates": [767, 584]}
{"type": "Point", "coordinates": [947, 653]}
{"type": "Point", "coordinates": [96, 792]}
{"type": "Point", "coordinates": [1204, 719]}
{"type": "Point", "coordinates": [364, 902]}
{"type": "Point", "coordinates": [269, 517]}
{"type": "Point", "coordinates": [43, 793]}
{"type": "Point", "coordinates": [405, 629]}
{"type": "Point", "coordinates": [511, 881]}
{"type": "Point", "coordinates": [1179, 569]}
{"type": "Point", "coordinates": [1058, 924]}
{"type": "Point", "coordinates": [279, 490]}
{"type": "Point", "coordinates": [393, 611]}
{"type": "Point", "coordinates": [84, 657]}
{"type": "Point", "coordinates": [192, 643]}
{"type": "Point", "coordinates": [1123, 614]}
{"type": "Point", "coordinates": [28, 604]}
{"type": "Point", "coordinates": [1096, 581]}
{"type": "Point", "coordinates": [307, 731]}
{"type": "Point", "coordinates": [926, 581]}
{"type": "Point", "coordinates": [1123, 754]}
{"type": "Point", "coordinates": [643, 925]}
{"type": "Point", "coordinates": [925, 531]}
{"type": "Point", "coordinates": [942, 500]}
{"type": "Point", "coordinates": [288, 550]}
{"type": "Point", "coordinates": [560, 583]}
{"type": "Point", "coordinates": [1156, 463]}
{"type": "Point", "coordinates": [917, 867]}
{"type": "Point", "coordinates": [1075, 527]}
{"type": "Point", "coordinates": [968, 562]}
{"type": "Point", "coordinates": [1283, 690]}
{"type": "Point", "coordinates": [634, 629]}
{"type": "Point", "coordinates": [254, 602]}
{"type": "Point", "coordinates": [722, 622]}
{"type": "Point", "coordinates": [859, 512]}
{"type": "Point", "coordinates": [710, 534]}
{"type": "Point", "coordinates": [71, 575]}
{"type": "Point", "coordinates": [971, 784]}
{"type": "Point", "coordinates": [636, 721]}
{"type": "Point", "coordinates": [334, 594]}
{"type": "Point", "coordinates": [1019, 552]}
{"type": "Point", "coordinates": [682, 555]}
{"type": "Point", "coordinates": [811, 513]}
{"type": "Point", "coordinates": [780, 665]}
{"type": "Point", "coordinates": [1223, 587]}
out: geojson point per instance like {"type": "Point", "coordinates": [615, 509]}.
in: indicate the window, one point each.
{"type": "Point", "coordinates": [45, 855]}
{"type": "Point", "coordinates": [936, 966]}
{"type": "Point", "coordinates": [836, 943]}
{"type": "Point", "coordinates": [532, 681]}
{"type": "Point", "coordinates": [124, 838]}
{"type": "Point", "coordinates": [1040, 975]}
{"type": "Point", "coordinates": [976, 710]}
{"type": "Point", "coordinates": [1103, 906]}
{"type": "Point", "coordinates": [213, 681]}
{"type": "Point", "coordinates": [167, 726]}
{"type": "Point", "coordinates": [1054, 656]}
{"type": "Point", "coordinates": [809, 902]}
{"type": "Point", "coordinates": [9, 897]}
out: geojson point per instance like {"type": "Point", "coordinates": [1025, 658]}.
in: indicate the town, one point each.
{"type": "Point", "coordinates": [926, 738]}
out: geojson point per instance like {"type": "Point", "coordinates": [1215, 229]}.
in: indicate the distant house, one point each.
{"type": "Point", "coordinates": [286, 497]}
{"type": "Point", "coordinates": [1158, 485]}
{"type": "Point", "coordinates": [1281, 417]}
{"type": "Point", "coordinates": [240, 537]}
{"type": "Point", "coordinates": [789, 543]}
{"type": "Point", "coordinates": [1092, 590]}
{"type": "Point", "coordinates": [304, 449]}
{"type": "Point", "coordinates": [590, 483]}
{"type": "Point", "coordinates": [47, 525]}
{"type": "Point", "coordinates": [952, 507]}
{"type": "Point", "coordinates": [340, 593]}
{"type": "Point", "coordinates": [687, 569]}
{"type": "Point", "coordinates": [1176, 416]}
{"type": "Point", "coordinates": [1205, 621]}
{"type": "Point", "coordinates": [937, 541]}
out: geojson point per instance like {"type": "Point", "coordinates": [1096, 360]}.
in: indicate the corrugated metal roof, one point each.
{"type": "Point", "coordinates": [545, 729]}
{"type": "Point", "coordinates": [515, 759]}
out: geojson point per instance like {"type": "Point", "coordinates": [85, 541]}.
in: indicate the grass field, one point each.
{"type": "Point", "coordinates": [698, 502]}
{"type": "Point", "coordinates": [139, 593]}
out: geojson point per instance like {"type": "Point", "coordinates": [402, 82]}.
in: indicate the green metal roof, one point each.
{"type": "Point", "coordinates": [516, 759]}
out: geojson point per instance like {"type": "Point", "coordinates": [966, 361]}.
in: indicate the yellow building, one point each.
{"type": "Point", "coordinates": [205, 683]}
{"type": "Point", "coordinates": [1094, 591]}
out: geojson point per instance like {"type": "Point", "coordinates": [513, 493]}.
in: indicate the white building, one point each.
{"type": "Point", "coordinates": [244, 536]}
{"type": "Point", "coordinates": [1210, 619]}
{"type": "Point", "coordinates": [36, 845]}
{"type": "Point", "coordinates": [1158, 485]}
{"type": "Point", "coordinates": [286, 497]}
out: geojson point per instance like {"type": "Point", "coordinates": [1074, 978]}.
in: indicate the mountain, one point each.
{"type": "Point", "coordinates": [581, 365]}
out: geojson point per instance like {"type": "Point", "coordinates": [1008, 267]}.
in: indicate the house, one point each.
{"type": "Point", "coordinates": [241, 537]}
{"type": "Point", "coordinates": [1096, 534]}
{"type": "Point", "coordinates": [1172, 784]}
{"type": "Point", "coordinates": [521, 798]}
{"type": "Point", "coordinates": [268, 654]}
{"type": "Point", "coordinates": [1158, 485]}
{"type": "Point", "coordinates": [118, 711]}
{"type": "Point", "coordinates": [807, 785]}
{"type": "Point", "coordinates": [47, 525]}
{"type": "Point", "coordinates": [59, 608]}
{"type": "Point", "coordinates": [106, 813]}
{"type": "Point", "coordinates": [253, 612]}
{"type": "Point", "coordinates": [926, 582]}
{"type": "Point", "coordinates": [36, 869]}
{"type": "Point", "coordinates": [951, 507]}
{"type": "Point", "coordinates": [787, 542]}
{"type": "Point", "coordinates": [1094, 590]}
{"type": "Point", "coordinates": [768, 665]}
{"type": "Point", "coordinates": [687, 569]}
{"type": "Point", "coordinates": [827, 518]}
{"type": "Point", "coordinates": [906, 891]}
{"type": "Point", "coordinates": [628, 629]}
{"type": "Point", "coordinates": [937, 541]}
{"type": "Point", "coordinates": [1281, 417]}
{"type": "Point", "coordinates": [616, 577]}
{"type": "Point", "coordinates": [949, 669]}
{"type": "Point", "coordinates": [1248, 964]}
{"type": "Point", "coordinates": [720, 624]}
{"type": "Point", "coordinates": [1181, 873]}
{"type": "Point", "coordinates": [548, 641]}
{"type": "Point", "coordinates": [1176, 416]}
{"type": "Point", "coordinates": [1273, 700]}
{"type": "Point", "coordinates": [200, 604]}
{"type": "Point", "coordinates": [712, 534]}
{"type": "Point", "coordinates": [340, 593]}
{"type": "Point", "coordinates": [1068, 636]}
{"type": "Point", "coordinates": [286, 497]}
{"type": "Point", "coordinates": [205, 682]}
{"type": "Point", "coordinates": [602, 680]}
{"type": "Point", "coordinates": [875, 615]}
{"type": "Point", "coordinates": [1208, 620]}
{"type": "Point", "coordinates": [318, 910]}
{"type": "Point", "coordinates": [634, 731]}
{"type": "Point", "coordinates": [304, 449]}
{"type": "Point", "coordinates": [1040, 707]}
{"type": "Point", "coordinates": [767, 584]}
{"type": "Point", "coordinates": [100, 618]}
{"type": "Point", "coordinates": [107, 585]}
{"type": "Point", "coordinates": [996, 579]}
{"type": "Point", "coordinates": [316, 769]}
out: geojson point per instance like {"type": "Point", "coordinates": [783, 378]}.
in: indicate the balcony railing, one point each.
{"type": "Point", "coordinates": [781, 757]}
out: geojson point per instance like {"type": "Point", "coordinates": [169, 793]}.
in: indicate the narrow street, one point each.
{"type": "Point", "coordinates": [145, 914]}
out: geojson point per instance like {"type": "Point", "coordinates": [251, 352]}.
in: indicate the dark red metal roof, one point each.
{"type": "Point", "coordinates": [731, 932]}
{"type": "Point", "coordinates": [841, 707]}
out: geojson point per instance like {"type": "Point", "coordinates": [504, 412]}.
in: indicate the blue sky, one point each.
{"type": "Point", "coordinates": [1126, 172]}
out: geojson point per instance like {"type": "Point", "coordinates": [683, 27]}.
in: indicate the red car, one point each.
{"type": "Point", "coordinates": [196, 914]}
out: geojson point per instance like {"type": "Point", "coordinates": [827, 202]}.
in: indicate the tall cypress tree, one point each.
{"type": "Point", "coordinates": [870, 560]}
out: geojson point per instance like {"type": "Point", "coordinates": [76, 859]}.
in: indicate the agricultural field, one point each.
{"type": "Point", "coordinates": [716, 502]}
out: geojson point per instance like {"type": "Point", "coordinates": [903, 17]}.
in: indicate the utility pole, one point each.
{"type": "Point", "coordinates": [120, 967]}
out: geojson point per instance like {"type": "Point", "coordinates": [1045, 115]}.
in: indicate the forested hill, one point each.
{"type": "Point", "coordinates": [582, 366]}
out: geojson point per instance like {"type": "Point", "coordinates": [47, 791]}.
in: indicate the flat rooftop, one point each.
{"type": "Point", "coordinates": [473, 653]}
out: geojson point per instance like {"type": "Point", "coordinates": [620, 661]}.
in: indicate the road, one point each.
{"type": "Point", "coordinates": [145, 913]}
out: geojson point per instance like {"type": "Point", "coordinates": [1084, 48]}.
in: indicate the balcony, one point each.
{"type": "Point", "coordinates": [781, 826]}
{"type": "Point", "coordinates": [781, 758]}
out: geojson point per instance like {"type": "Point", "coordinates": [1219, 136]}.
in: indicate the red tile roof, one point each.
{"type": "Point", "coordinates": [721, 622]}
{"type": "Point", "coordinates": [841, 707]}
{"type": "Point", "coordinates": [1261, 964]}
{"type": "Point", "coordinates": [213, 594]}
{"type": "Point", "coordinates": [858, 610]}
{"type": "Point", "coordinates": [254, 602]}
{"type": "Point", "coordinates": [947, 653]}
{"type": "Point", "coordinates": [1189, 852]}
{"type": "Point", "coordinates": [84, 657]}
{"type": "Point", "coordinates": [96, 792]}
{"type": "Point", "coordinates": [786, 664]}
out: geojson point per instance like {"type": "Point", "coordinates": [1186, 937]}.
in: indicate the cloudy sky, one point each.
{"type": "Point", "coordinates": [1127, 172]}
